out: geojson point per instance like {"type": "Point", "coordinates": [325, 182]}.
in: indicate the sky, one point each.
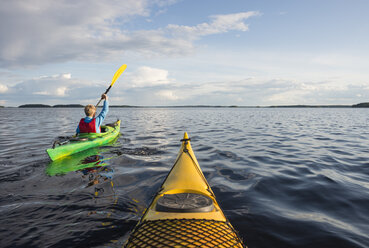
{"type": "Point", "coordinates": [185, 52]}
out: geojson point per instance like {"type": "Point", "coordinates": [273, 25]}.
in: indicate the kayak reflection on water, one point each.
{"type": "Point", "coordinates": [97, 175]}
{"type": "Point", "coordinates": [90, 163]}
{"type": "Point", "coordinates": [76, 162]}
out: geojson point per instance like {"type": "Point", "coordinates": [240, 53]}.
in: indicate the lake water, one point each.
{"type": "Point", "coordinates": [284, 177]}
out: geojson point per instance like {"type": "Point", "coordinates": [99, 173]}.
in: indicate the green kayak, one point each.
{"type": "Point", "coordinates": [67, 146]}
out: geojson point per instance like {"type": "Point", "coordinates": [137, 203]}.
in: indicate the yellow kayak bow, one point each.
{"type": "Point", "coordinates": [184, 212]}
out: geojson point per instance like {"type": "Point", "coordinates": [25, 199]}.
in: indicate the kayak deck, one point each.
{"type": "Point", "coordinates": [184, 212]}
{"type": "Point", "coordinates": [184, 233]}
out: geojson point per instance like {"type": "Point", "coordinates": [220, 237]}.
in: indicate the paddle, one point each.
{"type": "Point", "coordinates": [116, 76]}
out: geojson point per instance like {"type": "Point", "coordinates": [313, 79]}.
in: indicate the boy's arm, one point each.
{"type": "Point", "coordinates": [100, 118]}
{"type": "Point", "coordinates": [77, 130]}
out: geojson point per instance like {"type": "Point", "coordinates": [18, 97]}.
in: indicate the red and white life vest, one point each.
{"type": "Point", "coordinates": [85, 127]}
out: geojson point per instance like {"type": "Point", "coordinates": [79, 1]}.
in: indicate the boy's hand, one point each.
{"type": "Point", "coordinates": [104, 97]}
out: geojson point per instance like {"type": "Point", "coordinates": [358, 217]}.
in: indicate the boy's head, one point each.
{"type": "Point", "coordinates": [90, 110]}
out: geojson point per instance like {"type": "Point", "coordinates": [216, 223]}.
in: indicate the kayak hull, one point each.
{"type": "Point", "coordinates": [184, 212]}
{"type": "Point", "coordinates": [88, 141]}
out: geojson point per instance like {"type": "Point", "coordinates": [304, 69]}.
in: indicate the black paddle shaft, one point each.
{"type": "Point", "coordinates": [106, 92]}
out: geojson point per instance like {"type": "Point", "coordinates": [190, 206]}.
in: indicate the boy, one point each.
{"type": "Point", "coordinates": [91, 124]}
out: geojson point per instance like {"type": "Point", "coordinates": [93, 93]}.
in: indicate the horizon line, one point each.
{"type": "Point", "coordinates": [37, 105]}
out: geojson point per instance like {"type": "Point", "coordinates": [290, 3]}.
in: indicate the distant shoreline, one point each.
{"type": "Point", "coordinates": [360, 105]}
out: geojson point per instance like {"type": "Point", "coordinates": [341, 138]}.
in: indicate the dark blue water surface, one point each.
{"type": "Point", "coordinates": [284, 177]}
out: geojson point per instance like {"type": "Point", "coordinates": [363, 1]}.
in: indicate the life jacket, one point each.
{"type": "Point", "coordinates": [85, 127]}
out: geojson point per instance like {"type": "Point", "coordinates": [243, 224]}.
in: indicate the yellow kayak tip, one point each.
{"type": "Point", "coordinates": [184, 212]}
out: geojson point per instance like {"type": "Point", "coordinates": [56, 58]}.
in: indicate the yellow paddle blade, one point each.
{"type": "Point", "coordinates": [118, 73]}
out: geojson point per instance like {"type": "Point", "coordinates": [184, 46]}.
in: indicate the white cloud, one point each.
{"type": "Point", "coordinates": [310, 93]}
{"type": "Point", "coordinates": [53, 32]}
{"type": "Point", "coordinates": [340, 61]}
{"type": "Point", "coordinates": [53, 89]}
{"type": "Point", "coordinates": [3, 88]}
{"type": "Point", "coordinates": [43, 93]}
{"type": "Point", "coordinates": [264, 91]}
{"type": "Point", "coordinates": [154, 88]}
{"type": "Point", "coordinates": [218, 24]}
{"type": "Point", "coordinates": [52, 86]}
{"type": "Point", "coordinates": [63, 31]}
{"type": "Point", "coordinates": [67, 76]}
{"type": "Point", "coordinates": [146, 76]}
{"type": "Point", "coordinates": [295, 96]}
{"type": "Point", "coordinates": [61, 91]}
{"type": "Point", "coordinates": [167, 95]}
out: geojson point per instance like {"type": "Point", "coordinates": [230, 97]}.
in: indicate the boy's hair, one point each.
{"type": "Point", "coordinates": [90, 109]}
